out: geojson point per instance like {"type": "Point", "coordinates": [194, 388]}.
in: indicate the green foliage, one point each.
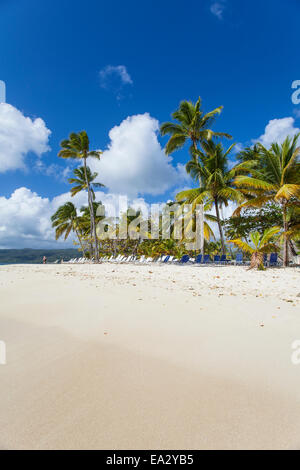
{"type": "Point", "coordinates": [261, 244]}
{"type": "Point", "coordinates": [78, 147]}
{"type": "Point", "coordinates": [81, 182]}
{"type": "Point", "coordinates": [252, 220]}
{"type": "Point", "coordinates": [191, 125]}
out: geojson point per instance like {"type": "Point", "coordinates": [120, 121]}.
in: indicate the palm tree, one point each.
{"type": "Point", "coordinates": [180, 225]}
{"type": "Point", "coordinates": [192, 124]}
{"type": "Point", "coordinates": [293, 224]}
{"type": "Point", "coordinates": [84, 222]}
{"type": "Point", "coordinates": [261, 244]}
{"type": "Point", "coordinates": [275, 177]}
{"type": "Point", "coordinates": [66, 220]}
{"type": "Point", "coordinates": [78, 147]}
{"type": "Point", "coordinates": [80, 181]}
{"type": "Point", "coordinates": [216, 181]}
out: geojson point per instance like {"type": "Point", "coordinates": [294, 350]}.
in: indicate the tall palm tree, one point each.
{"type": "Point", "coordinates": [65, 220]}
{"type": "Point", "coordinates": [192, 125]}
{"type": "Point", "coordinates": [84, 221]}
{"type": "Point", "coordinates": [216, 181]}
{"type": "Point", "coordinates": [274, 177]}
{"type": "Point", "coordinates": [80, 181]}
{"type": "Point", "coordinates": [78, 147]}
{"type": "Point", "coordinates": [260, 244]}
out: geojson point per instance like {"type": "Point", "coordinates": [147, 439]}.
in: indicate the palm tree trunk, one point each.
{"type": "Point", "coordinates": [285, 241]}
{"type": "Point", "coordinates": [92, 215]}
{"type": "Point", "coordinates": [220, 226]}
{"type": "Point", "coordinates": [202, 209]}
{"type": "Point", "coordinates": [292, 248]}
{"type": "Point", "coordinates": [80, 242]}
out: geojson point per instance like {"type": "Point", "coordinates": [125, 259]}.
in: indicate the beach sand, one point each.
{"type": "Point", "coordinates": [149, 357]}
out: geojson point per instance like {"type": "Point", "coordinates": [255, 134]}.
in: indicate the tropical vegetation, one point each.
{"type": "Point", "coordinates": [261, 184]}
{"type": "Point", "coordinates": [261, 244]}
{"type": "Point", "coordinates": [77, 146]}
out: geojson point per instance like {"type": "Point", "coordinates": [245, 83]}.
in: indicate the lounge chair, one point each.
{"type": "Point", "coordinates": [217, 259]}
{"type": "Point", "coordinates": [166, 259]}
{"type": "Point", "coordinates": [224, 259]}
{"type": "Point", "coordinates": [198, 259]}
{"type": "Point", "coordinates": [206, 259]}
{"type": "Point", "coordinates": [185, 259]}
{"type": "Point", "coordinates": [273, 259]}
{"type": "Point", "coordinates": [239, 259]}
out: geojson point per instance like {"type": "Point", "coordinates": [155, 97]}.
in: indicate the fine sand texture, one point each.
{"type": "Point", "coordinates": [149, 357]}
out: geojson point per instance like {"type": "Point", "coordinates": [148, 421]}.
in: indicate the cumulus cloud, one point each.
{"type": "Point", "coordinates": [24, 220]}
{"type": "Point", "coordinates": [134, 162]}
{"type": "Point", "coordinates": [277, 130]}
{"type": "Point", "coordinates": [217, 8]}
{"type": "Point", "coordinates": [20, 135]}
{"type": "Point", "coordinates": [25, 217]}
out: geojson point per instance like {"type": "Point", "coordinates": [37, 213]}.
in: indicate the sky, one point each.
{"type": "Point", "coordinates": [118, 70]}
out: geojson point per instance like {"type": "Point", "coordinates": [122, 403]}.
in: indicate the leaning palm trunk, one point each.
{"type": "Point", "coordinates": [93, 223]}
{"type": "Point", "coordinates": [257, 261]}
{"type": "Point", "coordinates": [220, 226]}
{"type": "Point", "coordinates": [80, 242]}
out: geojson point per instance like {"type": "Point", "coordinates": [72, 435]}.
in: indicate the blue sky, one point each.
{"type": "Point", "coordinates": [239, 54]}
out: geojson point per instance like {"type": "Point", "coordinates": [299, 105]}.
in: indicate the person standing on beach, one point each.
{"type": "Point", "coordinates": [44, 260]}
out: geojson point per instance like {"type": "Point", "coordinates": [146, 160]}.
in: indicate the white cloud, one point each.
{"type": "Point", "coordinates": [277, 130]}
{"type": "Point", "coordinates": [20, 135]}
{"type": "Point", "coordinates": [217, 9]}
{"type": "Point", "coordinates": [25, 217]}
{"type": "Point", "coordinates": [111, 73]}
{"type": "Point", "coordinates": [134, 162]}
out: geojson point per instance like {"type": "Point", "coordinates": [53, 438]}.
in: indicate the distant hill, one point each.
{"type": "Point", "coordinates": [30, 256]}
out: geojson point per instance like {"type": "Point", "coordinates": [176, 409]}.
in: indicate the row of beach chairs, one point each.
{"type": "Point", "coordinates": [223, 260]}
{"type": "Point", "coordinates": [272, 260]}
{"type": "Point", "coordinates": [269, 260]}
{"type": "Point", "coordinates": [186, 259]}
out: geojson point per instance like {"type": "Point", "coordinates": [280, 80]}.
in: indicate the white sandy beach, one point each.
{"type": "Point", "coordinates": [149, 357]}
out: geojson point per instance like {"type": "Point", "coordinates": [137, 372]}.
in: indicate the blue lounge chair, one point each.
{"type": "Point", "coordinates": [185, 259]}
{"type": "Point", "coordinates": [206, 259]}
{"type": "Point", "coordinates": [265, 260]}
{"type": "Point", "coordinates": [217, 259]}
{"type": "Point", "coordinates": [166, 259]}
{"type": "Point", "coordinates": [273, 259]}
{"type": "Point", "coordinates": [224, 259]}
{"type": "Point", "coordinates": [198, 259]}
{"type": "Point", "coordinates": [239, 258]}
